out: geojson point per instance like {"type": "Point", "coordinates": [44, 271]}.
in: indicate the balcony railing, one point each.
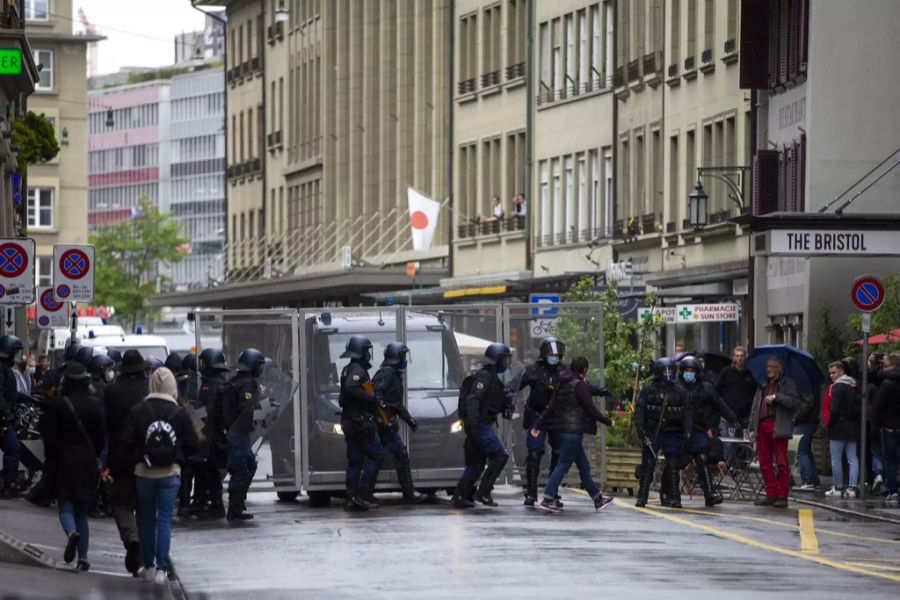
{"type": "Point", "coordinates": [690, 63]}
{"type": "Point", "coordinates": [706, 56]}
{"type": "Point", "coordinates": [548, 96]}
{"type": "Point", "coordinates": [619, 77]}
{"type": "Point", "coordinates": [573, 236]}
{"type": "Point", "coordinates": [730, 46]}
{"type": "Point", "coordinates": [490, 79]}
{"type": "Point", "coordinates": [273, 140]}
{"type": "Point", "coordinates": [515, 71]}
{"type": "Point", "coordinates": [476, 229]}
{"type": "Point", "coordinates": [466, 86]}
{"type": "Point", "coordinates": [673, 70]}
{"type": "Point", "coordinates": [634, 70]}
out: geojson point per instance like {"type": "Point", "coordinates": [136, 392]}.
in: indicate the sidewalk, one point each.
{"type": "Point", "coordinates": [873, 507]}
{"type": "Point", "coordinates": [39, 528]}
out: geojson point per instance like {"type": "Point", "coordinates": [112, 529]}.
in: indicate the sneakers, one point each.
{"type": "Point", "coordinates": [530, 500]}
{"type": "Point", "coordinates": [892, 498]}
{"type": "Point", "coordinates": [764, 501]}
{"type": "Point", "coordinates": [601, 502]}
{"type": "Point", "coordinates": [780, 503]}
{"type": "Point", "coordinates": [133, 556]}
{"type": "Point", "coordinates": [461, 502]}
{"type": "Point", "coordinates": [550, 506]}
{"type": "Point", "coordinates": [833, 492]}
{"type": "Point", "coordinates": [878, 484]}
{"type": "Point", "coordinates": [83, 565]}
{"type": "Point", "coordinates": [807, 487]}
{"type": "Point", "coordinates": [161, 578]}
{"type": "Point", "coordinates": [485, 499]}
{"type": "Point", "coordinates": [146, 575]}
{"type": "Point", "coordinates": [71, 547]}
{"type": "Point", "coordinates": [850, 493]}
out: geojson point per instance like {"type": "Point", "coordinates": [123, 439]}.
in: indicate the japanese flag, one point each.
{"type": "Point", "coordinates": [423, 216]}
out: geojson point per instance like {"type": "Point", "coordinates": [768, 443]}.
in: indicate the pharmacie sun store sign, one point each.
{"type": "Point", "coordinates": [823, 241]}
{"type": "Point", "coordinates": [10, 61]}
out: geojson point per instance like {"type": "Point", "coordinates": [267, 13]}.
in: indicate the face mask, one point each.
{"type": "Point", "coordinates": [110, 376]}
{"type": "Point", "coordinates": [689, 376]}
{"type": "Point", "coordinates": [402, 366]}
{"type": "Point", "coordinates": [553, 361]}
{"type": "Point", "coordinates": [31, 370]}
{"type": "Point", "coordinates": [668, 376]}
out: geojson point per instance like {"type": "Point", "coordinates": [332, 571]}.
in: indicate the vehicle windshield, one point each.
{"type": "Point", "coordinates": [434, 362]}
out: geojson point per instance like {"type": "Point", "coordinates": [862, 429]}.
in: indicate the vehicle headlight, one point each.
{"type": "Point", "coordinates": [456, 427]}
{"type": "Point", "coordinates": [330, 428]}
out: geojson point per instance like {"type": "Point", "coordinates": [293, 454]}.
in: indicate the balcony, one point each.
{"type": "Point", "coordinates": [273, 141]}
{"type": "Point", "coordinates": [573, 236]}
{"type": "Point", "coordinates": [690, 68]}
{"type": "Point", "coordinates": [634, 71]}
{"type": "Point", "coordinates": [652, 67]}
{"type": "Point", "coordinates": [649, 224]}
{"type": "Point", "coordinates": [707, 63]}
{"type": "Point", "coordinates": [619, 77]}
{"type": "Point", "coordinates": [490, 79]}
{"type": "Point", "coordinates": [10, 17]}
{"type": "Point", "coordinates": [731, 55]}
{"type": "Point", "coordinates": [721, 216]}
{"type": "Point", "coordinates": [515, 71]}
{"type": "Point", "coordinates": [672, 78]}
{"type": "Point", "coordinates": [466, 86]}
{"type": "Point", "coordinates": [476, 229]}
{"type": "Point", "coordinates": [255, 64]}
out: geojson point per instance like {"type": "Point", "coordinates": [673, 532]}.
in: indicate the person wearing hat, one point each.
{"type": "Point", "coordinates": [118, 399]}
{"type": "Point", "coordinates": [51, 380]}
{"type": "Point", "coordinates": [159, 437]}
{"type": "Point", "coordinates": [76, 435]}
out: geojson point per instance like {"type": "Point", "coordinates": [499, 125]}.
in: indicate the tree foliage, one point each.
{"type": "Point", "coordinates": [829, 339]}
{"type": "Point", "coordinates": [129, 255]}
{"type": "Point", "coordinates": [884, 320]}
{"type": "Point", "coordinates": [36, 139]}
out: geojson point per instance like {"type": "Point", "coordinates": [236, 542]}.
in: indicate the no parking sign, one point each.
{"type": "Point", "coordinates": [73, 273]}
{"type": "Point", "coordinates": [16, 271]}
{"type": "Point", "coordinates": [51, 312]}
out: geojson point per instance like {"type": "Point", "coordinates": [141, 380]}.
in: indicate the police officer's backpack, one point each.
{"type": "Point", "coordinates": [160, 442]}
{"type": "Point", "coordinates": [465, 389]}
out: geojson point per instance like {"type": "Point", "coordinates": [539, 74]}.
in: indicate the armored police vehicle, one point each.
{"type": "Point", "coordinates": [433, 378]}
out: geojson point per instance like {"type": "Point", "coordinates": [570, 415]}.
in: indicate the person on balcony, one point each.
{"type": "Point", "coordinates": [496, 210]}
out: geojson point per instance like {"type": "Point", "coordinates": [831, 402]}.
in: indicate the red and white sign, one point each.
{"type": "Point", "coordinates": [706, 313]}
{"type": "Point", "coordinates": [423, 218]}
{"type": "Point", "coordinates": [73, 273]}
{"type": "Point", "coordinates": [867, 293]}
{"type": "Point", "coordinates": [51, 312]}
{"type": "Point", "coordinates": [16, 271]}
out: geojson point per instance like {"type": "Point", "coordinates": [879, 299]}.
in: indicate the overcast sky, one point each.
{"type": "Point", "coordinates": [139, 33]}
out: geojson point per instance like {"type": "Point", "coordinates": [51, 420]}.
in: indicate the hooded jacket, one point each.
{"type": "Point", "coordinates": [887, 403]}
{"type": "Point", "coordinates": [844, 423]}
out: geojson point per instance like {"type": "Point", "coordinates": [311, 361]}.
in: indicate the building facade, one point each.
{"type": "Point", "coordinates": [204, 44]}
{"type": "Point", "coordinates": [57, 194]}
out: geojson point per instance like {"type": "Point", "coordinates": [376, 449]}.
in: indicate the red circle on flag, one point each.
{"type": "Point", "coordinates": [418, 220]}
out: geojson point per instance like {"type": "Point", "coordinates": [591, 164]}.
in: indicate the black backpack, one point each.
{"type": "Point", "coordinates": [161, 442]}
{"type": "Point", "coordinates": [854, 408]}
{"type": "Point", "coordinates": [465, 389]}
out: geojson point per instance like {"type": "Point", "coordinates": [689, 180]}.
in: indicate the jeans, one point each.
{"type": "Point", "coordinates": [808, 472]}
{"type": "Point", "coordinates": [877, 462]}
{"type": "Point", "coordinates": [9, 443]}
{"type": "Point", "coordinates": [73, 517]}
{"type": "Point", "coordinates": [838, 449]}
{"type": "Point", "coordinates": [890, 450]}
{"type": "Point", "coordinates": [571, 451]}
{"type": "Point", "coordinates": [157, 499]}
{"type": "Point", "coordinates": [773, 450]}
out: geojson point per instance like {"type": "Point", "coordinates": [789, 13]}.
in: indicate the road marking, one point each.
{"type": "Point", "coordinates": [809, 543]}
{"type": "Point", "coordinates": [874, 566]}
{"type": "Point", "coordinates": [760, 545]}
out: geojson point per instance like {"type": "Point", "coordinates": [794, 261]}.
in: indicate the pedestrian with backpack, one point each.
{"type": "Point", "coordinates": [844, 425]}
{"type": "Point", "coordinates": [160, 437]}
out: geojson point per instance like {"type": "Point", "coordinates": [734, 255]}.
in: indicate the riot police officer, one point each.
{"type": "Point", "coordinates": [388, 383]}
{"type": "Point", "coordinates": [11, 350]}
{"type": "Point", "coordinates": [213, 372]}
{"type": "Point", "coordinates": [238, 414]}
{"type": "Point", "coordinates": [51, 380]}
{"type": "Point", "coordinates": [102, 369]}
{"type": "Point", "coordinates": [708, 408]}
{"type": "Point", "coordinates": [542, 378]}
{"type": "Point", "coordinates": [173, 363]}
{"type": "Point", "coordinates": [480, 404]}
{"type": "Point", "coordinates": [190, 388]}
{"type": "Point", "coordinates": [84, 356]}
{"type": "Point", "coordinates": [359, 408]}
{"type": "Point", "coordinates": [662, 417]}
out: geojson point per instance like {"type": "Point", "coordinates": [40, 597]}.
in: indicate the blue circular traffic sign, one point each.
{"type": "Point", "coordinates": [867, 293]}
{"type": "Point", "coordinates": [13, 260]}
{"type": "Point", "coordinates": [74, 263]}
{"type": "Point", "coordinates": [63, 291]}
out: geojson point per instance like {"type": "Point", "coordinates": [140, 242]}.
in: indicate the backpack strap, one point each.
{"type": "Point", "coordinates": [79, 424]}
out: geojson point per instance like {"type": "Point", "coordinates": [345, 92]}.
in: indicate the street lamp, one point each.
{"type": "Point", "coordinates": [281, 13]}
{"type": "Point", "coordinates": [698, 207]}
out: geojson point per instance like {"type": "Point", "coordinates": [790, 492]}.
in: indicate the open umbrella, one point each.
{"type": "Point", "coordinates": [798, 365]}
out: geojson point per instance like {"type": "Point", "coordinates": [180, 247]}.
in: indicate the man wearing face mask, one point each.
{"type": "Point", "coordinates": [102, 369]}
{"type": "Point", "coordinates": [359, 407]}
{"type": "Point", "coordinates": [389, 393]}
{"type": "Point", "coordinates": [480, 404]}
{"type": "Point", "coordinates": [708, 408]}
{"type": "Point", "coordinates": [11, 351]}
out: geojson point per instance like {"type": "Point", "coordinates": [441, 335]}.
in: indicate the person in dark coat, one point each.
{"type": "Point", "coordinates": [737, 387]}
{"type": "Point", "coordinates": [843, 430]}
{"type": "Point", "coordinates": [887, 423]}
{"type": "Point", "coordinates": [118, 399]}
{"type": "Point", "coordinates": [806, 423]}
{"type": "Point", "coordinates": [77, 433]}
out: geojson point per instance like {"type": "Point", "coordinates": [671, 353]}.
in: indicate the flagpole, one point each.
{"type": "Point", "coordinates": [396, 237]}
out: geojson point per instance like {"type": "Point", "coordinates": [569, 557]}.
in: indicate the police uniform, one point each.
{"type": "Point", "coordinates": [708, 407]}
{"type": "Point", "coordinates": [389, 393]}
{"type": "Point", "coordinates": [485, 400]}
{"type": "Point", "coordinates": [663, 418]}
{"type": "Point", "coordinates": [241, 463]}
{"type": "Point", "coordinates": [215, 446]}
{"type": "Point", "coordinates": [359, 409]}
{"type": "Point", "coordinates": [542, 379]}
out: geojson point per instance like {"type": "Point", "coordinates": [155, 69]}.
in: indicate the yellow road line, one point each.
{"type": "Point", "coordinates": [874, 566]}
{"type": "Point", "coordinates": [760, 545]}
{"type": "Point", "coordinates": [809, 543]}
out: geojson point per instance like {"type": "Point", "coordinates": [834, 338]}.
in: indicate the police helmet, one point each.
{"type": "Point", "coordinates": [152, 364]}
{"type": "Point", "coordinates": [71, 351]}
{"type": "Point", "coordinates": [99, 364]}
{"type": "Point", "coordinates": [10, 346]}
{"type": "Point", "coordinates": [552, 345]}
{"type": "Point", "coordinates": [395, 353]}
{"type": "Point", "coordinates": [173, 362]}
{"type": "Point", "coordinates": [498, 355]}
{"type": "Point", "coordinates": [83, 356]}
{"type": "Point", "coordinates": [115, 355]}
{"type": "Point", "coordinates": [251, 361]}
{"type": "Point", "coordinates": [213, 358]}
{"type": "Point", "coordinates": [689, 362]}
{"type": "Point", "coordinates": [664, 369]}
{"type": "Point", "coordinates": [189, 362]}
{"type": "Point", "coordinates": [358, 347]}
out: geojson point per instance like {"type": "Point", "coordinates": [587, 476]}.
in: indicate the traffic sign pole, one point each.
{"type": "Point", "coordinates": [865, 398]}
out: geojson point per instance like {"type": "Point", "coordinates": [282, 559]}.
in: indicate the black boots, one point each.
{"type": "Point", "coordinates": [464, 489]}
{"type": "Point", "coordinates": [674, 480]}
{"type": "Point", "coordinates": [710, 494]}
{"type": "Point", "coordinates": [237, 499]}
{"type": "Point", "coordinates": [646, 479]}
{"type": "Point", "coordinates": [404, 474]}
{"type": "Point", "coordinates": [491, 473]}
{"type": "Point", "coordinates": [532, 472]}
{"type": "Point", "coordinates": [664, 480]}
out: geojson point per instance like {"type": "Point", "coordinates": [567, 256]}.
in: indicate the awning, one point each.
{"type": "Point", "coordinates": [883, 338]}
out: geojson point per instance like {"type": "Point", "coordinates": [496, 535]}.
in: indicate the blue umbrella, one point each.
{"type": "Point", "coordinates": [798, 365]}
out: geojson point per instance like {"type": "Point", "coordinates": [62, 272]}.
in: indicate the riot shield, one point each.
{"type": "Point", "coordinates": [446, 344]}
{"type": "Point", "coordinates": [274, 332]}
{"type": "Point", "coordinates": [579, 325]}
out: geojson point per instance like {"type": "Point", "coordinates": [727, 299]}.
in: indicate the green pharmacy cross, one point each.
{"type": "Point", "coordinates": [684, 313]}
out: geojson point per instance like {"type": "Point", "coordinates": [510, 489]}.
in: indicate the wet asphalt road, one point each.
{"type": "Point", "coordinates": [434, 551]}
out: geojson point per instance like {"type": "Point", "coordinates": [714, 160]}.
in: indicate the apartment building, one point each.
{"type": "Point", "coordinates": [204, 44]}
{"type": "Point", "coordinates": [57, 194]}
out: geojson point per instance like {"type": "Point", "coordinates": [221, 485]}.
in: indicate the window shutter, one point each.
{"type": "Point", "coordinates": [782, 182]}
{"type": "Point", "coordinates": [783, 28]}
{"type": "Point", "coordinates": [804, 34]}
{"type": "Point", "coordinates": [790, 173]}
{"type": "Point", "coordinates": [765, 182]}
{"type": "Point", "coordinates": [794, 40]}
{"type": "Point", "coordinates": [773, 43]}
{"type": "Point", "coordinates": [754, 44]}
{"type": "Point", "coordinates": [801, 174]}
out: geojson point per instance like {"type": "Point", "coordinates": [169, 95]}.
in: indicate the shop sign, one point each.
{"type": "Point", "coordinates": [835, 242]}
{"type": "Point", "coordinates": [706, 313]}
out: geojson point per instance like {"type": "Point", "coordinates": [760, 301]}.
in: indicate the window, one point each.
{"type": "Point", "coordinates": [45, 58]}
{"type": "Point", "coordinates": [691, 49]}
{"type": "Point", "coordinates": [43, 274]}
{"type": "Point", "coordinates": [570, 52]}
{"type": "Point", "coordinates": [468, 52]}
{"type": "Point", "coordinates": [37, 10]}
{"type": "Point", "coordinates": [546, 70]}
{"type": "Point", "coordinates": [544, 201]}
{"type": "Point", "coordinates": [40, 208]}
{"type": "Point", "coordinates": [675, 33]}
{"type": "Point", "coordinates": [556, 201]}
{"type": "Point", "coordinates": [640, 178]}
{"type": "Point", "coordinates": [557, 56]}
{"type": "Point", "coordinates": [490, 46]}
{"type": "Point", "coordinates": [583, 201]}
{"type": "Point", "coordinates": [571, 224]}
{"type": "Point", "coordinates": [731, 32]}
{"type": "Point", "coordinates": [656, 176]}
{"type": "Point", "coordinates": [584, 65]}
{"type": "Point", "coordinates": [610, 41]}
{"type": "Point", "coordinates": [607, 190]}
{"type": "Point", "coordinates": [516, 30]}
{"type": "Point", "coordinates": [709, 21]}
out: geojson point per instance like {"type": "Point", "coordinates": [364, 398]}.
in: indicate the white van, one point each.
{"type": "Point", "coordinates": [150, 346]}
{"type": "Point", "coordinates": [53, 342]}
